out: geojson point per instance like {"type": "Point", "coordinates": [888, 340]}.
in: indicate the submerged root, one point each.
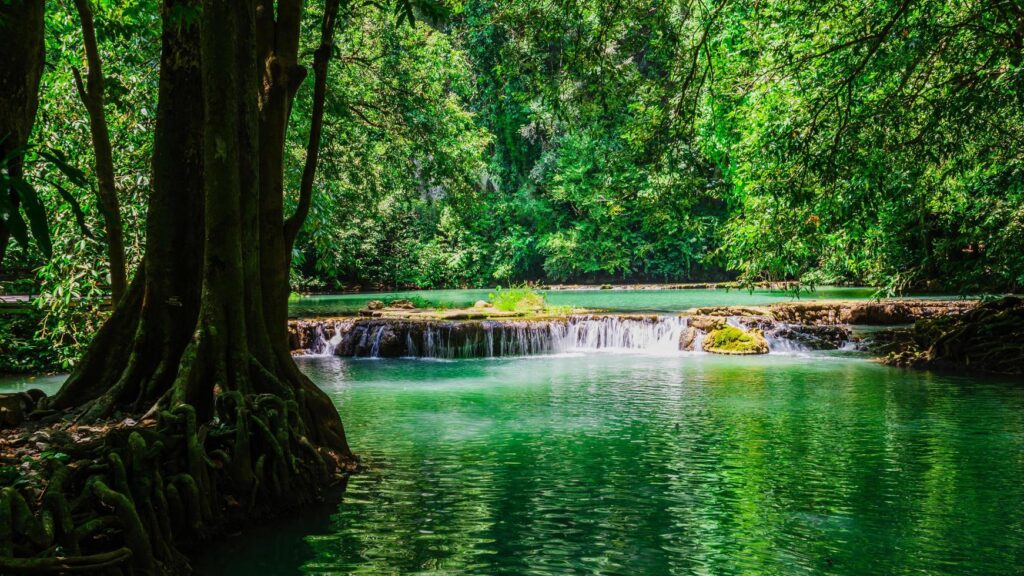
{"type": "Point", "coordinates": [137, 495]}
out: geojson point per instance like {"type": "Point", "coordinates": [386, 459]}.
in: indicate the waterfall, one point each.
{"type": "Point", "coordinates": [493, 338]}
{"type": "Point", "coordinates": [323, 343]}
{"type": "Point", "coordinates": [387, 338]}
{"type": "Point", "coordinates": [622, 334]}
{"type": "Point", "coordinates": [777, 344]}
{"type": "Point", "coordinates": [698, 341]}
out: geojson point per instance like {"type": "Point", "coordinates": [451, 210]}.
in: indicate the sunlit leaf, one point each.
{"type": "Point", "coordinates": [37, 221]}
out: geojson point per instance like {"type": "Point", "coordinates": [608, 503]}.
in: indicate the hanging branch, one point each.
{"type": "Point", "coordinates": [321, 58]}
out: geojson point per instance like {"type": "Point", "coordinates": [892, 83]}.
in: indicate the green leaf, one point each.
{"type": "Point", "coordinates": [36, 214]}
{"type": "Point", "coordinates": [13, 220]}
{"type": "Point", "coordinates": [56, 157]}
{"type": "Point", "coordinates": [76, 208]}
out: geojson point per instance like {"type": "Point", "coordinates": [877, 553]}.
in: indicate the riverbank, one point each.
{"type": "Point", "coordinates": [988, 337]}
{"type": "Point", "coordinates": [136, 493]}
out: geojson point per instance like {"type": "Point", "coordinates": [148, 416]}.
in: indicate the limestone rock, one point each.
{"type": "Point", "coordinates": [15, 406]}
{"type": "Point", "coordinates": [884, 313]}
{"type": "Point", "coordinates": [706, 323]}
{"type": "Point", "coordinates": [687, 338]}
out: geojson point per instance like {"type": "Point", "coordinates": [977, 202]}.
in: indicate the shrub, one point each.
{"type": "Point", "coordinates": [520, 298]}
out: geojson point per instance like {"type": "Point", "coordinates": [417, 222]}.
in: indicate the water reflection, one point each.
{"type": "Point", "coordinates": [666, 465]}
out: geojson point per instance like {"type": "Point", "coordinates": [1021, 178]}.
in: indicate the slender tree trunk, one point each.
{"type": "Point", "coordinates": [91, 93]}
{"type": "Point", "coordinates": [21, 67]}
{"type": "Point", "coordinates": [277, 40]}
{"type": "Point", "coordinates": [321, 59]}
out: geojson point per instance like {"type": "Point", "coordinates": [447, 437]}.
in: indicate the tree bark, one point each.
{"type": "Point", "coordinates": [135, 356]}
{"type": "Point", "coordinates": [193, 326]}
{"type": "Point", "coordinates": [21, 67]}
{"type": "Point", "coordinates": [277, 41]}
{"type": "Point", "coordinates": [91, 93]}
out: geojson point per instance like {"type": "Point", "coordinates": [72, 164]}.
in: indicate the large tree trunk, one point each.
{"type": "Point", "coordinates": [277, 40]}
{"type": "Point", "coordinates": [194, 325]}
{"type": "Point", "coordinates": [91, 93]}
{"type": "Point", "coordinates": [227, 428]}
{"type": "Point", "coordinates": [135, 356]}
{"type": "Point", "coordinates": [21, 67]}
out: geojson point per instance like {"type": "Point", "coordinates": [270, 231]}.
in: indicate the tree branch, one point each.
{"type": "Point", "coordinates": [321, 59]}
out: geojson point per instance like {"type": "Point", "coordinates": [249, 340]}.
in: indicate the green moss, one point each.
{"type": "Point", "coordinates": [732, 340]}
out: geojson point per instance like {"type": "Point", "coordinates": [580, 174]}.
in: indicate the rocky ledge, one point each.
{"type": "Point", "coordinates": [882, 313]}
{"type": "Point", "coordinates": [402, 330]}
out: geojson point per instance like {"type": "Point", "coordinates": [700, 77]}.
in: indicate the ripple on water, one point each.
{"type": "Point", "coordinates": [602, 464]}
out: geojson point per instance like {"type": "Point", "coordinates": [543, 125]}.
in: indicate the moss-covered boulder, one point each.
{"type": "Point", "coordinates": [732, 340]}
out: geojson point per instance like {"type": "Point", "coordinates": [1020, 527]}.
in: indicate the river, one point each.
{"type": "Point", "coordinates": [609, 461]}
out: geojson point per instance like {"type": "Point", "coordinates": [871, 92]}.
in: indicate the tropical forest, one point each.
{"type": "Point", "coordinates": [512, 287]}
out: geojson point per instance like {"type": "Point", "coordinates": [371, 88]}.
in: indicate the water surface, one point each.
{"type": "Point", "coordinates": [616, 300]}
{"type": "Point", "coordinates": [611, 463]}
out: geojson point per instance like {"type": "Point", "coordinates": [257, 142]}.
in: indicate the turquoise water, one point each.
{"type": "Point", "coordinates": [673, 464]}
{"type": "Point", "coordinates": [619, 300]}
{"type": "Point", "coordinates": [22, 382]}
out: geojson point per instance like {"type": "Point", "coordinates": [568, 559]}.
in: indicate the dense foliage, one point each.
{"type": "Point", "coordinates": [877, 142]}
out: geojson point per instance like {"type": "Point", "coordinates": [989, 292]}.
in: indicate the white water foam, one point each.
{"type": "Point", "coordinates": [579, 334]}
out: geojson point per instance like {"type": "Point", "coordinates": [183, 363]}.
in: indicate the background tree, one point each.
{"type": "Point", "coordinates": [91, 93]}
{"type": "Point", "coordinates": [21, 66]}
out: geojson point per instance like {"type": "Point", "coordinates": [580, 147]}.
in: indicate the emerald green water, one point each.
{"type": "Point", "coordinates": [620, 300]}
{"type": "Point", "coordinates": [676, 464]}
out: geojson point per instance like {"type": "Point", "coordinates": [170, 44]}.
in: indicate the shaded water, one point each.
{"type": "Point", "coordinates": [674, 464]}
{"type": "Point", "coordinates": [618, 300]}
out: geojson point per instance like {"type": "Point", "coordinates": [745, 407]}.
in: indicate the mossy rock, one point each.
{"type": "Point", "coordinates": [732, 340]}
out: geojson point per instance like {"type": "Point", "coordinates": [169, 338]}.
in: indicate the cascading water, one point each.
{"type": "Point", "coordinates": [624, 334]}
{"type": "Point", "coordinates": [379, 338]}
{"type": "Point", "coordinates": [324, 344]}
{"type": "Point", "coordinates": [490, 339]}
{"type": "Point", "coordinates": [784, 345]}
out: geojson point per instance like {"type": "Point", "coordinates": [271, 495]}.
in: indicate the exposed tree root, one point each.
{"type": "Point", "coordinates": [989, 338]}
{"type": "Point", "coordinates": [134, 496]}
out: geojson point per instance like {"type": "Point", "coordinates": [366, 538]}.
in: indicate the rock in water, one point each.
{"type": "Point", "coordinates": [403, 305]}
{"type": "Point", "coordinates": [707, 323]}
{"type": "Point", "coordinates": [687, 338]}
{"type": "Point", "coordinates": [375, 305]}
{"type": "Point", "coordinates": [732, 340]}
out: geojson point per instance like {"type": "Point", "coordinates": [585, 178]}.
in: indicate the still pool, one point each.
{"type": "Point", "coordinates": [677, 464]}
{"type": "Point", "coordinates": [614, 300]}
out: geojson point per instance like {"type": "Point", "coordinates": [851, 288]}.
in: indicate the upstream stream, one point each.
{"type": "Point", "coordinates": [614, 300]}
{"type": "Point", "coordinates": [624, 459]}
